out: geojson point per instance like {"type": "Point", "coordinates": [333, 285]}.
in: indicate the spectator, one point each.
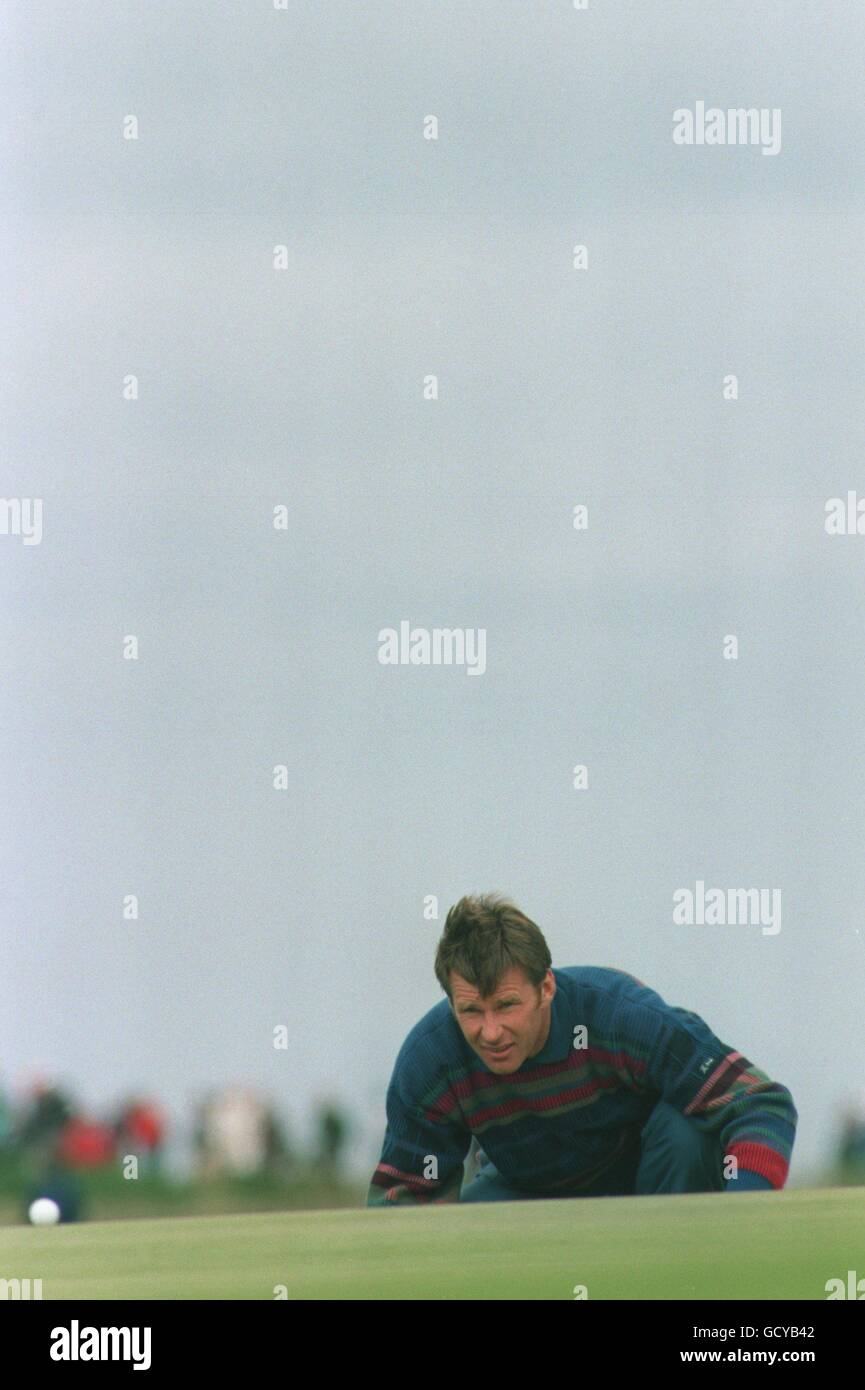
{"type": "Point", "coordinates": [333, 1127]}
{"type": "Point", "coordinates": [140, 1130]}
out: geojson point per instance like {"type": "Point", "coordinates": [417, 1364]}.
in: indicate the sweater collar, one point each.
{"type": "Point", "coordinates": [560, 1037]}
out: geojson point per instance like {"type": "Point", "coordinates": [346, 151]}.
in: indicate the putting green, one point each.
{"type": "Point", "coordinates": [774, 1245]}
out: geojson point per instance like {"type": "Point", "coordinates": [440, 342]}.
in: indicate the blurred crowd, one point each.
{"type": "Point", "coordinates": [47, 1137]}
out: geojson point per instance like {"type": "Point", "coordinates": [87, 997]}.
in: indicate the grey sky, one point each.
{"type": "Point", "coordinates": [303, 387]}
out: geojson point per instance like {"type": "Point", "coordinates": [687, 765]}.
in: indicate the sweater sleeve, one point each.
{"type": "Point", "coordinates": [672, 1052]}
{"type": "Point", "coordinates": [424, 1145]}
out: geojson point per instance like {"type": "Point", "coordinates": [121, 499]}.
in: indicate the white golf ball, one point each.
{"type": "Point", "coordinates": [44, 1212]}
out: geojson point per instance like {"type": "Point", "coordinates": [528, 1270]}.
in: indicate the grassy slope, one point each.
{"type": "Point", "coordinates": [748, 1245]}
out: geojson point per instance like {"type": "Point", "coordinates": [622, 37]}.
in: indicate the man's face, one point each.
{"type": "Point", "coordinates": [509, 1026]}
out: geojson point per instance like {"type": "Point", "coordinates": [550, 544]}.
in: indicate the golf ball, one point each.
{"type": "Point", "coordinates": [44, 1212]}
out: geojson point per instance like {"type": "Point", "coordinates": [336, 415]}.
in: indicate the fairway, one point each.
{"type": "Point", "coordinates": [751, 1245]}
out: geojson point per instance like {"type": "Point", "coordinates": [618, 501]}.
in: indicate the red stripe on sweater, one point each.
{"type": "Point", "coordinates": [537, 1106]}
{"type": "Point", "coordinates": [706, 1088]}
{"type": "Point", "coordinates": [760, 1158]}
{"type": "Point", "coordinates": [387, 1171]}
{"type": "Point", "coordinates": [479, 1081]}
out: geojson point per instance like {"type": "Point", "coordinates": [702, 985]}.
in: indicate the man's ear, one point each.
{"type": "Point", "coordinates": [543, 996]}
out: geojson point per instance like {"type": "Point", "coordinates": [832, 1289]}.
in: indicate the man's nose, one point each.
{"type": "Point", "coordinates": [490, 1031]}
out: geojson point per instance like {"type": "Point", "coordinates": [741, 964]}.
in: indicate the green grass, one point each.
{"type": "Point", "coordinates": [759, 1245]}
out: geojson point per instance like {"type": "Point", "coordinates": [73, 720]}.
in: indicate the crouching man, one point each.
{"type": "Point", "coordinates": [575, 1082]}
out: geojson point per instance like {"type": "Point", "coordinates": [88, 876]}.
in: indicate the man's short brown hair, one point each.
{"type": "Point", "coordinates": [486, 936]}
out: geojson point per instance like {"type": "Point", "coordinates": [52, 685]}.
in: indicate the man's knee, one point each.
{"type": "Point", "coordinates": [488, 1185]}
{"type": "Point", "coordinates": [677, 1156]}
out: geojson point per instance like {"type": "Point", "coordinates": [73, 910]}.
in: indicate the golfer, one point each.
{"type": "Point", "coordinates": [578, 1081]}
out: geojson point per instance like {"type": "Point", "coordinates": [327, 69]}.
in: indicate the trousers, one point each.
{"type": "Point", "coordinates": [674, 1156]}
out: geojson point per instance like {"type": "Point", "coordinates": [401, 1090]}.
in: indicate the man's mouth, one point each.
{"type": "Point", "coordinates": [499, 1051]}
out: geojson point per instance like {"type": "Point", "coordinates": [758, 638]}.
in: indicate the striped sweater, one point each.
{"type": "Point", "coordinates": [572, 1113]}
